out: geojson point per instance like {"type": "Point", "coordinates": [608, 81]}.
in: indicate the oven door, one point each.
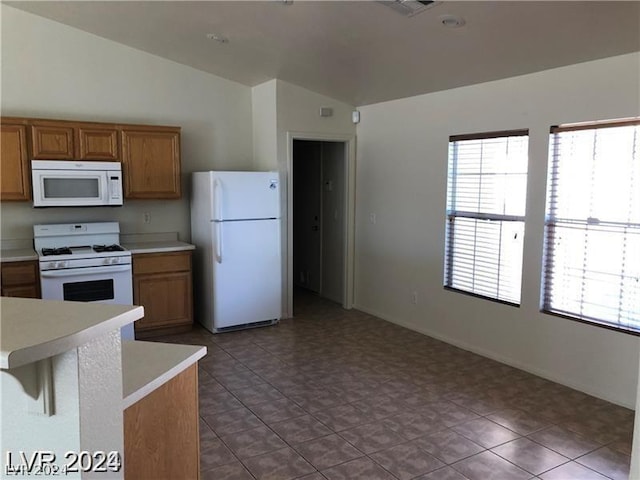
{"type": "Point", "coordinates": [108, 284]}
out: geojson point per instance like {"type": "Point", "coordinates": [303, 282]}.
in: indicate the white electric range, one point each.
{"type": "Point", "coordinates": [84, 262]}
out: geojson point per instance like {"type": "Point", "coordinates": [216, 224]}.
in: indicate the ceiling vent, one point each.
{"type": "Point", "coordinates": [409, 8]}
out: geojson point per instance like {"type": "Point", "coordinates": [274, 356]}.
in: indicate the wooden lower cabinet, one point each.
{"type": "Point", "coordinates": [20, 279]}
{"type": "Point", "coordinates": [162, 284]}
{"type": "Point", "coordinates": [161, 432]}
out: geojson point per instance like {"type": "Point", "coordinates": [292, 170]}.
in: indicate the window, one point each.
{"type": "Point", "coordinates": [592, 228]}
{"type": "Point", "coordinates": [486, 201]}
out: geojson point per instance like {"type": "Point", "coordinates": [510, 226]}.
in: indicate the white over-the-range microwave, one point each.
{"type": "Point", "coordinates": [76, 184]}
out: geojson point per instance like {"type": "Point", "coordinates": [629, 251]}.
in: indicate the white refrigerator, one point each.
{"type": "Point", "coordinates": [235, 226]}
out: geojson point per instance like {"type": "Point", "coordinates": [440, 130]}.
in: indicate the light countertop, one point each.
{"type": "Point", "coordinates": [158, 247]}
{"type": "Point", "coordinates": [32, 329]}
{"type": "Point", "coordinates": [149, 365]}
{"type": "Point", "coordinates": [18, 254]}
{"type": "Point", "coordinates": [26, 254]}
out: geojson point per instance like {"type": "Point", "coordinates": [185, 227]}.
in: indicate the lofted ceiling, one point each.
{"type": "Point", "coordinates": [360, 52]}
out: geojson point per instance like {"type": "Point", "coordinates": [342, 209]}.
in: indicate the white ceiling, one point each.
{"type": "Point", "coordinates": [360, 52]}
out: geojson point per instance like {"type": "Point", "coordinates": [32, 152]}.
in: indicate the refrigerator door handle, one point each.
{"type": "Point", "coordinates": [217, 199]}
{"type": "Point", "coordinates": [218, 237]}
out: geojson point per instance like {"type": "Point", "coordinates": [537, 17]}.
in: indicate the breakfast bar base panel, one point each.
{"type": "Point", "coordinates": [161, 431]}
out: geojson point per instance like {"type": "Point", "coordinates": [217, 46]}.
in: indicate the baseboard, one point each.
{"type": "Point", "coordinates": [499, 358]}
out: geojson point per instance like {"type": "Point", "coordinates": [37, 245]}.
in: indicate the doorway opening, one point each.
{"type": "Point", "coordinates": [320, 214]}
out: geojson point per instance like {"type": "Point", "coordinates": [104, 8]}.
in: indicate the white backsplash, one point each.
{"type": "Point", "coordinates": [148, 237]}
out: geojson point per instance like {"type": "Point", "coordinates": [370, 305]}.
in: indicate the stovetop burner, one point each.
{"type": "Point", "coordinates": [79, 245]}
{"type": "Point", "coordinates": [56, 251]}
{"type": "Point", "coordinates": [108, 248]}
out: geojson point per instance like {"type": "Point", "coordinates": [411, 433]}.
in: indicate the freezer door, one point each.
{"type": "Point", "coordinates": [247, 272]}
{"type": "Point", "coordinates": [245, 195]}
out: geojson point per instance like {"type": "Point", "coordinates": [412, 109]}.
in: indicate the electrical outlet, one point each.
{"type": "Point", "coordinates": [414, 298]}
{"type": "Point", "coordinates": [146, 217]}
{"type": "Point", "coordinates": [373, 218]}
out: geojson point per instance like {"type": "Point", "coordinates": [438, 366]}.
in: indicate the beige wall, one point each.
{"type": "Point", "coordinates": [50, 70]}
{"type": "Point", "coordinates": [402, 178]}
{"type": "Point", "coordinates": [298, 112]}
{"type": "Point", "coordinates": [265, 125]}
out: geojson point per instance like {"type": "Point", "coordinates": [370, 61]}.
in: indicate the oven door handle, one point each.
{"type": "Point", "coordinates": [84, 271]}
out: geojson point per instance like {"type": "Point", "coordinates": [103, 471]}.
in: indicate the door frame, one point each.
{"type": "Point", "coordinates": [349, 213]}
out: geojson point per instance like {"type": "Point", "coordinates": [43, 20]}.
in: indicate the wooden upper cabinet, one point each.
{"type": "Point", "coordinates": [15, 182]}
{"type": "Point", "coordinates": [150, 155]}
{"type": "Point", "coordinates": [52, 142]}
{"type": "Point", "coordinates": [61, 140]}
{"type": "Point", "coordinates": [98, 144]}
{"type": "Point", "coordinates": [151, 162]}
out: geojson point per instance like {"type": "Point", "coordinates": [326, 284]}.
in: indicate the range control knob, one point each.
{"type": "Point", "coordinates": [61, 264]}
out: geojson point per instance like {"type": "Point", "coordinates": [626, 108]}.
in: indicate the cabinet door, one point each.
{"type": "Point", "coordinates": [171, 262]}
{"type": "Point", "coordinates": [19, 273]}
{"type": "Point", "coordinates": [151, 163]}
{"type": "Point", "coordinates": [23, 291]}
{"type": "Point", "coordinates": [166, 298]}
{"type": "Point", "coordinates": [52, 142]}
{"type": "Point", "coordinates": [98, 144]}
{"type": "Point", "coordinates": [20, 279]}
{"type": "Point", "coordinates": [14, 163]}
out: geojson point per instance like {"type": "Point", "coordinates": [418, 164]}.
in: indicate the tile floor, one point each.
{"type": "Point", "coordinates": [338, 394]}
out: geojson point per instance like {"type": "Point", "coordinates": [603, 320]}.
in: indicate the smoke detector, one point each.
{"type": "Point", "coordinates": [409, 8]}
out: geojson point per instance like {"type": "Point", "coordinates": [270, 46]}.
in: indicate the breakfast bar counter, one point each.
{"type": "Point", "coordinates": [69, 383]}
{"type": "Point", "coordinates": [160, 389]}
{"type": "Point", "coordinates": [147, 366]}
{"type": "Point", "coordinates": [32, 330]}
{"type": "Point", "coordinates": [61, 386]}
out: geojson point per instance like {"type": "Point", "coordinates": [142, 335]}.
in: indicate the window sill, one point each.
{"type": "Point", "coordinates": [593, 323]}
{"type": "Point", "coordinates": [484, 297]}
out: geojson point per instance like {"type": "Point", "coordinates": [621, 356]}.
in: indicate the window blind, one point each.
{"type": "Point", "coordinates": [486, 200]}
{"type": "Point", "coordinates": [592, 227]}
